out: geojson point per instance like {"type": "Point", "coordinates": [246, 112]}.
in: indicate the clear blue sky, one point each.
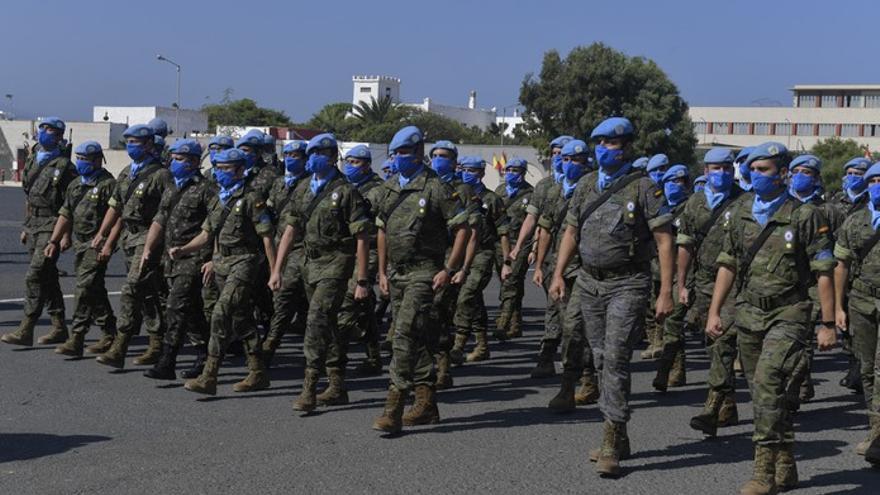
{"type": "Point", "coordinates": [62, 57]}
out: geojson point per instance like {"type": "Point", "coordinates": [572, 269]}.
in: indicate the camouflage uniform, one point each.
{"type": "Point", "coordinates": [545, 192]}
{"type": "Point", "coordinates": [261, 179]}
{"type": "Point", "coordinates": [513, 289]}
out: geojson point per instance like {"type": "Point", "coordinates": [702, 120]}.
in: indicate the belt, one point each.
{"type": "Point", "coordinates": [616, 272]}
{"type": "Point", "coordinates": [235, 251]}
{"type": "Point", "coordinates": [767, 303]}
{"type": "Point", "coordinates": [866, 288]}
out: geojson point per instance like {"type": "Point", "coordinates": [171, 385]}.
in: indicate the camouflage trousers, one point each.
{"type": "Point", "coordinates": [91, 305]}
{"type": "Point", "coordinates": [772, 356]}
{"type": "Point", "coordinates": [864, 321]}
{"type": "Point", "coordinates": [613, 312]}
{"type": "Point", "coordinates": [139, 299]}
{"type": "Point", "coordinates": [233, 315]}
{"type": "Point", "coordinates": [415, 339]}
{"type": "Point", "coordinates": [42, 288]}
{"type": "Point", "coordinates": [470, 312]}
{"type": "Point", "coordinates": [322, 324]}
{"type": "Point", "coordinates": [357, 319]}
{"type": "Point", "coordinates": [184, 312]}
{"type": "Point", "coordinates": [512, 290]}
{"type": "Point", "coordinates": [577, 354]}
{"type": "Point", "coordinates": [263, 300]}
{"type": "Point", "coordinates": [443, 315]}
{"type": "Point", "coordinates": [291, 304]}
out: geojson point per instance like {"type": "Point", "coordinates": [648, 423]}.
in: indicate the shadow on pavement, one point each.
{"type": "Point", "coordinates": [24, 446]}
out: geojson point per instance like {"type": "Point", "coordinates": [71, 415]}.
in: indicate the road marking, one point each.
{"type": "Point", "coordinates": [66, 296]}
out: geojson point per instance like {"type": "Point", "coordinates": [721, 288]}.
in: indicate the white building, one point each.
{"type": "Point", "coordinates": [368, 88]}
{"type": "Point", "coordinates": [191, 121]}
{"type": "Point", "coordinates": [847, 111]}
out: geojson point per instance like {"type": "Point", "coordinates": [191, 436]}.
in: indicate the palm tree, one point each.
{"type": "Point", "coordinates": [374, 111]}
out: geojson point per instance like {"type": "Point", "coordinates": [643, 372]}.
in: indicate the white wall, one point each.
{"type": "Point", "coordinates": [471, 117]}
{"type": "Point", "coordinates": [190, 120]}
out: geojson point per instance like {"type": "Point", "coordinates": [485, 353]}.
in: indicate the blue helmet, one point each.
{"type": "Point", "coordinates": [361, 152]}
{"type": "Point", "coordinates": [87, 148]}
{"type": "Point", "coordinates": [873, 171]}
{"type": "Point", "coordinates": [444, 145]}
{"type": "Point", "coordinates": [472, 162]}
{"type": "Point", "coordinates": [641, 163]}
{"type": "Point", "coordinates": [575, 147]}
{"type": "Point", "coordinates": [297, 145]}
{"type": "Point", "coordinates": [406, 137]}
{"type": "Point", "coordinates": [186, 147]}
{"type": "Point", "coordinates": [53, 122]}
{"type": "Point", "coordinates": [560, 141]}
{"type": "Point", "coordinates": [657, 161]}
{"type": "Point", "coordinates": [808, 161]}
{"type": "Point", "coordinates": [251, 139]}
{"type": "Point", "coordinates": [613, 128]}
{"type": "Point", "coordinates": [675, 172]}
{"type": "Point", "coordinates": [159, 126]}
{"type": "Point", "coordinates": [719, 155]}
{"type": "Point", "coordinates": [858, 163]}
{"type": "Point", "coordinates": [765, 151]}
{"type": "Point", "coordinates": [321, 142]}
{"type": "Point", "coordinates": [516, 162]}
{"type": "Point", "coordinates": [231, 155]}
{"type": "Point", "coordinates": [222, 141]}
{"type": "Point", "coordinates": [139, 131]}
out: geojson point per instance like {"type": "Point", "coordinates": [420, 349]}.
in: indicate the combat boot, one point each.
{"type": "Point", "coordinates": [444, 379]}
{"type": "Point", "coordinates": [205, 383]}
{"type": "Point", "coordinates": [164, 367]}
{"type": "Point", "coordinates": [391, 420]}
{"type": "Point", "coordinates": [786, 469]}
{"type": "Point", "coordinates": [655, 343]}
{"type": "Point", "coordinates": [807, 391]}
{"type": "Point", "coordinates": [545, 367]}
{"type": "Point", "coordinates": [72, 347]}
{"type": "Point", "coordinates": [564, 400]}
{"type": "Point", "coordinates": [872, 452]}
{"type": "Point", "coordinates": [515, 327]}
{"type": "Point", "coordinates": [24, 335]}
{"type": "Point", "coordinates": [678, 376]}
{"type": "Point", "coordinates": [608, 464]}
{"type": "Point", "coordinates": [58, 335]}
{"type": "Point", "coordinates": [664, 368]}
{"type": "Point", "coordinates": [306, 402]}
{"type": "Point", "coordinates": [256, 379]}
{"type": "Point", "coordinates": [707, 420]}
{"type": "Point", "coordinates": [763, 480]}
{"type": "Point", "coordinates": [198, 365]}
{"type": "Point", "coordinates": [115, 356]}
{"type": "Point", "coordinates": [501, 326]}
{"type": "Point", "coordinates": [456, 354]}
{"type": "Point", "coordinates": [481, 350]}
{"type": "Point", "coordinates": [853, 378]}
{"type": "Point", "coordinates": [588, 393]}
{"type": "Point", "coordinates": [335, 394]}
{"type": "Point", "coordinates": [151, 354]}
{"type": "Point", "coordinates": [424, 411]}
{"type": "Point", "coordinates": [102, 345]}
{"type": "Point", "coordinates": [372, 365]}
{"type": "Point", "coordinates": [727, 413]}
{"type": "Point", "coordinates": [623, 450]}
{"type": "Point", "coordinates": [270, 345]}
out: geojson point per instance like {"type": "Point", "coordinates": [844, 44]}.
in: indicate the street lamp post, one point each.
{"type": "Point", "coordinates": [177, 109]}
{"type": "Point", "coordinates": [11, 106]}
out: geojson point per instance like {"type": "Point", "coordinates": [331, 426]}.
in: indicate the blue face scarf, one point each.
{"type": "Point", "coordinates": [606, 179]}
{"type": "Point", "coordinates": [136, 152]}
{"type": "Point", "coordinates": [354, 174]}
{"type": "Point", "coordinates": [656, 176]}
{"type": "Point", "coordinates": [318, 164]}
{"type": "Point", "coordinates": [444, 167]}
{"type": "Point", "coordinates": [474, 180]}
{"type": "Point", "coordinates": [250, 159]}
{"type": "Point", "coordinates": [85, 169]}
{"type": "Point", "coordinates": [558, 174]}
{"type": "Point", "coordinates": [182, 172]}
{"type": "Point", "coordinates": [715, 198]}
{"type": "Point", "coordinates": [228, 185]}
{"type": "Point", "coordinates": [698, 187]}
{"type": "Point", "coordinates": [512, 182]}
{"type": "Point", "coordinates": [211, 154]}
{"type": "Point", "coordinates": [572, 170]}
{"type": "Point", "coordinates": [607, 158]}
{"type": "Point", "coordinates": [407, 165]}
{"type": "Point", "coordinates": [874, 194]}
{"type": "Point", "coordinates": [293, 169]}
{"type": "Point", "coordinates": [675, 193]}
{"type": "Point", "coordinates": [766, 185]}
{"type": "Point", "coordinates": [47, 139]}
{"type": "Point", "coordinates": [317, 184]}
{"type": "Point", "coordinates": [404, 180]}
{"type": "Point", "coordinates": [854, 185]}
{"type": "Point", "coordinates": [803, 187]}
{"type": "Point", "coordinates": [719, 181]}
{"type": "Point", "coordinates": [762, 210]}
{"type": "Point", "coordinates": [43, 157]}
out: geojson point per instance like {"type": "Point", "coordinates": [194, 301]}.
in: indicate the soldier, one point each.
{"type": "Point", "coordinates": [566, 312]}
{"type": "Point", "coordinates": [611, 221]}
{"type": "Point", "coordinates": [700, 183]}
{"type": "Point", "coordinates": [771, 246]}
{"type": "Point", "coordinates": [241, 230]}
{"type": "Point", "coordinates": [858, 275]}
{"type": "Point", "coordinates": [545, 192]}
{"type": "Point", "coordinates": [47, 175]}
{"type": "Point", "coordinates": [182, 212]}
{"type": "Point", "coordinates": [742, 168]}
{"type": "Point", "coordinates": [700, 236]}
{"type": "Point", "coordinates": [290, 302]}
{"type": "Point", "coordinates": [641, 163]}
{"type": "Point", "coordinates": [656, 168]}
{"type": "Point", "coordinates": [160, 132]}
{"type": "Point", "coordinates": [335, 234]}
{"type": "Point", "coordinates": [515, 194]}
{"type": "Point", "coordinates": [85, 204]}
{"type": "Point", "coordinates": [270, 154]}
{"type": "Point", "coordinates": [357, 318]}
{"type": "Point", "coordinates": [139, 190]}
{"type": "Point", "coordinates": [415, 219]}
{"type": "Point", "coordinates": [470, 314]}
{"type": "Point", "coordinates": [216, 145]}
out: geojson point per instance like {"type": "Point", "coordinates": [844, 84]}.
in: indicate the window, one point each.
{"type": "Point", "coordinates": [719, 128]}
{"type": "Point", "coordinates": [762, 128]}
{"type": "Point", "coordinates": [827, 129]}
{"type": "Point", "coordinates": [804, 129]}
{"type": "Point", "coordinates": [855, 101]}
{"type": "Point", "coordinates": [741, 128]}
{"type": "Point", "coordinates": [387, 92]}
{"type": "Point", "coordinates": [700, 127]}
{"type": "Point", "coordinates": [365, 89]}
{"type": "Point", "coordinates": [807, 101]}
{"type": "Point", "coordinates": [849, 130]}
{"type": "Point", "coordinates": [829, 101]}
{"type": "Point", "coordinates": [783, 129]}
{"type": "Point", "coordinates": [872, 101]}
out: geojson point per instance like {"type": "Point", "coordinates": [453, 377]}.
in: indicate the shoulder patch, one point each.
{"type": "Point", "coordinates": [455, 195]}
{"type": "Point", "coordinates": [658, 193]}
{"type": "Point", "coordinates": [823, 229]}
{"type": "Point", "coordinates": [259, 204]}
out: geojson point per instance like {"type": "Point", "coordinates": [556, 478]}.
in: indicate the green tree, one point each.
{"type": "Point", "coordinates": [374, 112]}
{"type": "Point", "coordinates": [333, 117]}
{"type": "Point", "coordinates": [243, 112]}
{"type": "Point", "coordinates": [834, 153]}
{"type": "Point", "coordinates": [572, 95]}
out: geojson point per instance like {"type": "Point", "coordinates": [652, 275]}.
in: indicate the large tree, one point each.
{"type": "Point", "coordinates": [572, 95]}
{"type": "Point", "coordinates": [834, 153]}
{"type": "Point", "coordinates": [243, 112]}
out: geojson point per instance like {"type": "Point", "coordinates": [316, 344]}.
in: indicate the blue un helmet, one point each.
{"type": "Point", "coordinates": [657, 166]}
{"type": "Point", "coordinates": [159, 126]}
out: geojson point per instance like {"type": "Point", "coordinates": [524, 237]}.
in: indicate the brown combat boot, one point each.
{"type": "Point", "coordinates": [335, 394]}
{"type": "Point", "coordinates": [72, 347]}
{"type": "Point", "coordinates": [608, 464]}
{"type": "Point", "coordinates": [270, 345]}
{"type": "Point", "coordinates": [256, 379]}
{"type": "Point", "coordinates": [115, 356]}
{"type": "Point", "coordinates": [677, 375]}
{"type": "Point", "coordinates": [24, 335]}
{"type": "Point", "coordinates": [763, 480]}
{"type": "Point", "coordinates": [481, 350]}
{"type": "Point", "coordinates": [786, 469]}
{"type": "Point", "coordinates": [102, 345]}
{"type": "Point", "coordinates": [872, 452]}
{"type": "Point", "coordinates": [546, 367]}
{"type": "Point", "coordinates": [391, 420]}
{"type": "Point", "coordinates": [58, 335]}
{"type": "Point", "coordinates": [727, 413]}
{"type": "Point", "coordinates": [307, 401]}
{"type": "Point", "coordinates": [456, 354]}
{"type": "Point", "coordinates": [588, 393]}
{"type": "Point", "coordinates": [152, 353]}
{"type": "Point", "coordinates": [707, 420]}
{"type": "Point", "coordinates": [424, 411]}
{"type": "Point", "coordinates": [502, 325]}
{"type": "Point", "coordinates": [862, 446]}
{"type": "Point", "coordinates": [564, 400]}
{"type": "Point", "coordinates": [655, 343]}
{"type": "Point", "coordinates": [444, 379]}
{"type": "Point", "coordinates": [623, 449]}
{"type": "Point", "coordinates": [206, 383]}
{"type": "Point", "coordinates": [807, 390]}
{"type": "Point", "coordinates": [515, 326]}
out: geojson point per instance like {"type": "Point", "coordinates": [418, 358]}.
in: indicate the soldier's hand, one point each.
{"type": "Point", "coordinates": [207, 273]}
{"type": "Point", "coordinates": [23, 237]}
{"type": "Point", "coordinates": [684, 296]}
{"type": "Point", "coordinates": [383, 284]}
{"type": "Point", "coordinates": [826, 337]}
{"type": "Point", "coordinates": [458, 278]}
{"type": "Point", "coordinates": [531, 258]}
{"type": "Point", "coordinates": [97, 242]}
{"type": "Point", "coordinates": [65, 242]}
{"type": "Point", "coordinates": [441, 279]}
{"type": "Point", "coordinates": [557, 289]}
{"type": "Point", "coordinates": [275, 282]}
{"type": "Point", "coordinates": [145, 257]}
{"type": "Point", "coordinates": [840, 319]}
{"type": "Point", "coordinates": [50, 250]}
{"type": "Point", "coordinates": [513, 253]}
{"type": "Point", "coordinates": [663, 307]}
{"type": "Point", "coordinates": [174, 252]}
{"type": "Point", "coordinates": [360, 293]}
{"type": "Point", "coordinates": [505, 272]}
{"type": "Point", "coordinates": [105, 253]}
{"type": "Point", "coordinates": [714, 329]}
{"type": "Point", "coordinates": [538, 277]}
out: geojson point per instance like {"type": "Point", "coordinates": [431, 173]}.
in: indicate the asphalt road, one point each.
{"type": "Point", "coordinates": [76, 427]}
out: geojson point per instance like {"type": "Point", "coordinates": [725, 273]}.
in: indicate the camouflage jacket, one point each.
{"type": "Point", "coordinates": [494, 223]}
{"type": "Point", "coordinates": [182, 212]}
{"type": "Point", "coordinates": [143, 203]}
{"type": "Point", "coordinates": [516, 207]}
{"type": "Point", "coordinates": [85, 205]}
{"type": "Point", "coordinates": [552, 220]}
{"type": "Point", "coordinates": [45, 187]}
{"type": "Point", "coordinates": [864, 267]}
{"type": "Point", "coordinates": [261, 179]}
{"type": "Point", "coordinates": [239, 237]}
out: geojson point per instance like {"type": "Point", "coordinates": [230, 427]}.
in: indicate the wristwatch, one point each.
{"type": "Point", "coordinates": [828, 324]}
{"type": "Point", "coordinates": [363, 283]}
{"type": "Point", "coordinates": [507, 262]}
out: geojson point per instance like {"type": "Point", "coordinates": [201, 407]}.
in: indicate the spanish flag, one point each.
{"type": "Point", "coordinates": [499, 164]}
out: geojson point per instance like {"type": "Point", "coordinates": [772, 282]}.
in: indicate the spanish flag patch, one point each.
{"type": "Point", "coordinates": [823, 229]}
